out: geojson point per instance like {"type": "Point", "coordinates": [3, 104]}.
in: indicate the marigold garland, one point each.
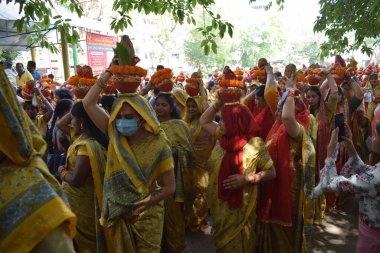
{"type": "Point", "coordinates": [339, 71]}
{"type": "Point", "coordinates": [25, 89]}
{"type": "Point", "coordinates": [313, 71]}
{"type": "Point", "coordinates": [161, 75]}
{"type": "Point", "coordinates": [191, 80]}
{"type": "Point", "coordinates": [45, 80]}
{"type": "Point", "coordinates": [46, 86]}
{"type": "Point", "coordinates": [87, 81]}
{"type": "Point", "coordinates": [259, 72]}
{"type": "Point", "coordinates": [238, 72]}
{"type": "Point", "coordinates": [128, 70]}
{"type": "Point", "coordinates": [73, 80]}
{"type": "Point", "coordinates": [231, 83]}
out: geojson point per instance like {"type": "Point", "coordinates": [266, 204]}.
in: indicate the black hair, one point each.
{"type": "Point", "coordinates": [90, 128]}
{"type": "Point", "coordinates": [210, 85]}
{"type": "Point", "coordinates": [174, 110]}
{"type": "Point", "coordinates": [259, 91]}
{"type": "Point", "coordinates": [61, 107]}
{"type": "Point", "coordinates": [51, 76]}
{"type": "Point", "coordinates": [64, 93]}
{"type": "Point", "coordinates": [19, 63]}
{"type": "Point", "coordinates": [107, 102]}
{"type": "Point", "coordinates": [156, 91]}
{"type": "Point", "coordinates": [32, 64]}
{"type": "Point", "coordinates": [159, 67]}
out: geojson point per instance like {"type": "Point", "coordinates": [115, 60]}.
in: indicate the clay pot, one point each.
{"type": "Point", "coordinates": [126, 83]}
{"type": "Point", "coordinates": [313, 79]}
{"type": "Point", "coordinates": [192, 89]}
{"type": "Point", "coordinates": [165, 86]}
{"type": "Point", "coordinates": [230, 95]}
{"type": "Point", "coordinates": [80, 91]}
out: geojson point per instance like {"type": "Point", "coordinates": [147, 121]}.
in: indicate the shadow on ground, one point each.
{"type": "Point", "coordinates": [338, 233]}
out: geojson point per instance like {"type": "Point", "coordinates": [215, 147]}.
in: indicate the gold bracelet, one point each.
{"type": "Point", "coordinates": [63, 174]}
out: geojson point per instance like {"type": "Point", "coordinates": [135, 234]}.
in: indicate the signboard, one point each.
{"type": "Point", "coordinates": [99, 51]}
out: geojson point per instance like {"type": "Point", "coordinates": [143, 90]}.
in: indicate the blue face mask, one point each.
{"type": "Point", "coordinates": [127, 127]}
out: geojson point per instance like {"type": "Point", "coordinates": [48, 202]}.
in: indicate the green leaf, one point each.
{"type": "Point", "coordinates": [123, 54]}
{"type": "Point", "coordinates": [206, 49]}
{"type": "Point", "coordinates": [180, 14]}
{"type": "Point", "coordinates": [230, 31]}
{"type": "Point", "coordinates": [214, 47]}
{"type": "Point", "coordinates": [222, 30]}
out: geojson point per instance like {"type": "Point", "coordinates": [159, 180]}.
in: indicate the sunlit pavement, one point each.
{"type": "Point", "coordinates": [338, 233]}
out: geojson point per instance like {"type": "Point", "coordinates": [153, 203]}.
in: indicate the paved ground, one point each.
{"type": "Point", "coordinates": [338, 233]}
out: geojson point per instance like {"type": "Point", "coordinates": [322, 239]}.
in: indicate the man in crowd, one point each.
{"type": "Point", "coordinates": [22, 76]}
{"type": "Point", "coordinates": [10, 72]}
{"type": "Point", "coordinates": [32, 69]}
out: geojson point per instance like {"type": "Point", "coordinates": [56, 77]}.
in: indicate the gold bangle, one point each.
{"type": "Point", "coordinates": [63, 174]}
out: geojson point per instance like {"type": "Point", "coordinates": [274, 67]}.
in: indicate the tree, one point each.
{"type": "Point", "coordinates": [304, 52]}
{"type": "Point", "coordinates": [337, 20]}
{"type": "Point", "coordinates": [341, 18]}
{"type": "Point", "coordinates": [8, 55]}
{"type": "Point", "coordinates": [348, 25]}
{"type": "Point", "coordinates": [38, 16]}
{"type": "Point", "coordinates": [265, 39]}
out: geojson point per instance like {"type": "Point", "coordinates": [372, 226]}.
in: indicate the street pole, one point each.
{"type": "Point", "coordinates": [65, 56]}
{"type": "Point", "coordinates": [33, 53]}
{"type": "Point", "coordinates": [75, 57]}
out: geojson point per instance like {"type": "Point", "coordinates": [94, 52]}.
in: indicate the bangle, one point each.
{"type": "Point", "coordinates": [63, 174]}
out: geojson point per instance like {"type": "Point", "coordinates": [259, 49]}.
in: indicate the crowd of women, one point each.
{"type": "Point", "coordinates": [125, 176]}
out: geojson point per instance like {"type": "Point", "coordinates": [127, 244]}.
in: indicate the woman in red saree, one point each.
{"type": "Point", "coordinates": [285, 216]}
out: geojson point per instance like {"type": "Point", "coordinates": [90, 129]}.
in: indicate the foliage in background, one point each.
{"type": "Point", "coordinates": [8, 55]}
{"type": "Point", "coordinates": [349, 25]}
{"type": "Point", "coordinates": [38, 16]}
{"type": "Point", "coordinates": [337, 20]}
{"type": "Point", "coordinates": [340, 18]}
{"type": "Point", "coordinates": [263, 39]}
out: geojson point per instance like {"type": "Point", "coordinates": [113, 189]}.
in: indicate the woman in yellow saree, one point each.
{"type": "Point", "coordinates": [82, 176]}
{"type": "Point", "coordinates": [34, 210]}
{"type": "Point", "coordinates": [177, 206]}
{"type": "Point", "coordinates": [180, 100]}
{"type": "Point", "coordinates": [238, 163]}
{"type": "Point", "coordinates": [203, 143]}
{"type": "Point", "coordinates": [138, 156]}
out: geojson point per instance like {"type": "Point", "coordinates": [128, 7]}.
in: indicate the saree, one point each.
{"type": "Point", "coordinates": [32, 202]}
{"type": "Point", "coordinates": [285, 214]}
{"type": "Point", "coordinates": [178, 206]}
{"type": "Point", "coordinates": [200, 174]}
{"type": "Point", "coordinates": [233, 229]}
{"type": "Point", "coordinates": [325, 124]}
{"type": "Point", "coordinates": [280, 233]}
{"type": "Point", "coordinates": [86, 201]}
{"type": "Point", "coordinates": [181, 96]}
{"type": "Point", "coordinates": [130, 179]}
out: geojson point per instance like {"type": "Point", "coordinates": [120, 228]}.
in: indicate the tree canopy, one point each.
{"type": "Point", "coordinates": [348, 24]}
